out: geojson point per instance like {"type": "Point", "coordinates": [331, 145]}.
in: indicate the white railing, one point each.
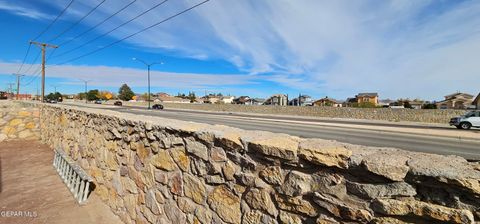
{"type": "Point", "coordinates": [76, 179]}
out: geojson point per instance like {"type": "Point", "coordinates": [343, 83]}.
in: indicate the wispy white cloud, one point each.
{"type": "Point", "coordinates": [23, 11]}
{"type": "Point", "coordinates": [399, 48]}
{"type": "Point", "coordinates": [115, 76]}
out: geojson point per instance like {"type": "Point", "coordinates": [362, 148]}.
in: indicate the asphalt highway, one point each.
{"type": "Point", "coordinates": [315, 128]}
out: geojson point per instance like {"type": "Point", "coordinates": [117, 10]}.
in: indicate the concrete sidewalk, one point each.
{"type": "Point", "coordinates": [31, 189]}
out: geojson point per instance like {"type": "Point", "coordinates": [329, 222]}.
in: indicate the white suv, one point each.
{"type": "Point", "coordinates": [470, 119]}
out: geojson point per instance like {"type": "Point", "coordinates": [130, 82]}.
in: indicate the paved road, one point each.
{"type": "Point", "coordinates": [312, 128]}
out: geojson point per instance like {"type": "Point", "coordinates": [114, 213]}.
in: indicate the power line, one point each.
{"type": "Point", "coordinates": [37, 73]}
{"type": "Point", "coordinates": [34, 77]}
{"type": "Point", "coordinates": [78, 21]}
{"type": "Point", "coordinates": [98, 24]}
{"type": "Point", "coordinates": [104, 34]}
{"type": "Point", "coordinates": [43, 31]}
{"type": "Point", "coordinates": [25, 57]}
{"type": "Point", "coordinates": [55, 20]}
{"type": "Point", "coordinates": [33, 62]}
{"type": "Point", "coordinates": [136, 33]}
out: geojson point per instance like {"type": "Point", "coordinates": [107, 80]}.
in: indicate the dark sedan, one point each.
{"type": "Point", "coordinates": [157, 107]}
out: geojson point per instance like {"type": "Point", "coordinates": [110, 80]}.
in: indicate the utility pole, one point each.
{"type": "Point", "coordinates": [10, 89]}
{"type": "Point", "coordinates": [86, 81]}
{"type": "Point", "coordinates": [18, 84]}
{"type": "Point", "coordinates": [36, 96]}
{"type": "Point", "coordinates": [43, 46]}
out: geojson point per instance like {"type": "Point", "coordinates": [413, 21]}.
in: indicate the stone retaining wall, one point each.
{"type": "Point", "coordinates": [153, 170]}
{"type": "Point", "coordinates": [384, 114]}
{"type": "Point", "coordinates": [18, 121]}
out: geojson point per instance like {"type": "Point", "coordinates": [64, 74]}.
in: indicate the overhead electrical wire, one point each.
{"type": "Point", "coordinates": [33, 62]}
{"type": "Point", "coordinates": [136, 33]}
{"type": "Point", "coordinates": [41, 33]}
{"type": "Point", "coordinates": [98, 24]}
{"type": "Point", "coordinates": [78, 21]}
{"type": "Point", "coordinates": [55, 20]}
{"type": "Point", "coordinates": [37, 73]}
{"type": "Point", "coordinates": [24, 58]}
{"type": "Point", "coordinates": [104, 34]}
{"type": "Point", "coordinates": [31, 79]}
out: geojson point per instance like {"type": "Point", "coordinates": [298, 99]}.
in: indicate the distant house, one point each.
{"type": "Point", "coordinates": [171, 99]}
{"type": "Point", "coordinates": [161, 94]}
{"type": "Point", "coordinates": [245, 100]}
{"type": "Point", "coordinates": [416, 104]}
{"type": "Point", "coordinates": [258, 101]}
{"type": "Point", "coordinates": [327, 102]}
{"type": "Point", "coordinates": [212, 99]}
{"type": "Point", "coordinates": [385, 102]}
{"type": "Point", "coordinates": [277, 100]}
{"type": "Point", "coordinates": [349, 102]}
{"type": "Point", "coordinates": [69, 96]}
{"type": "Point", "coordinates": [407, 103]}
{"type": "Point", "coordinates": [301, 100]}
{"type": "Point", "coordinates": [476, 102]}
{"type": "Point", "coordinates": [455, 101]}
{"type": "Point", "coordinates": [227, 99]}
{"type": "Point", "coordinates": [367, 98]}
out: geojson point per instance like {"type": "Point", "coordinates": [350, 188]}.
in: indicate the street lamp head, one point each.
{"type": "Point", "coordinates": [134, 59]}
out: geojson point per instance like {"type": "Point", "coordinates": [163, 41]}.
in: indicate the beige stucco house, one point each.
{"type": "Point", "coordinates": [456, 101]}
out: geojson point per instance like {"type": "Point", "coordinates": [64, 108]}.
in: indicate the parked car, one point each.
{"type": "Point", "coordinates": [118, 103]}
{"type": "Point", "coordinates": [98, 101]}
{"type": "Point", "coordinates": [157, 107]}
{"type": "Point", "coordinates": [470, 119]}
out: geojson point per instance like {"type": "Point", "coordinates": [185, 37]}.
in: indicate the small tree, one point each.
{"type": "Point", "coordinates": [93, 95]}
{"type": "Point", "coordinates": [429, 106]}
{"type": "Point", "coordinates": [192, 97]}
{"type": "Point", "coordinates": [50, 96]}
{"type": "Point", "coordinates": [105, 95]}
{"type": "Point", "coordinates": [125, 93]}
{"type": "Point", "coordinates": [406, 104]}
{"type": "Point", "coordinates": [81, 96]}
{"type": "Point", "coordinates": [55, 96]}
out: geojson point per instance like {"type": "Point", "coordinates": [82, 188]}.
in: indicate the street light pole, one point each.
{"type": "Point", "coordinates": [55, 88]}
{"type": "Point", "coordinates": [148, 68]}
{"type": "Point", "coordinates": [86, 81]}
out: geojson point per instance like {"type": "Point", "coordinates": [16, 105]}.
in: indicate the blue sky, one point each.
{"type": "Point", "coordinates": [417, 48]}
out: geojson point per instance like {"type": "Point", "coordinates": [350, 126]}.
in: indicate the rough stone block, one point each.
{"type": "Point", "coordinates": [225, 204]}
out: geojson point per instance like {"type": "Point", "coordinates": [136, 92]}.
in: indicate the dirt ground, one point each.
{"type": "Point", "coordinates": [32, 192]}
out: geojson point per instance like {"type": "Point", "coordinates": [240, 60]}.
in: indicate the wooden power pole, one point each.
{"type": "Point", "coordinates": [43, 46]}
{"type": "Point", "coordinates": [18, 84]}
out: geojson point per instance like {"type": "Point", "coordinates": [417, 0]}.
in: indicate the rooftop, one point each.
{"type": "Point", "coordinates": [367, 94]}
